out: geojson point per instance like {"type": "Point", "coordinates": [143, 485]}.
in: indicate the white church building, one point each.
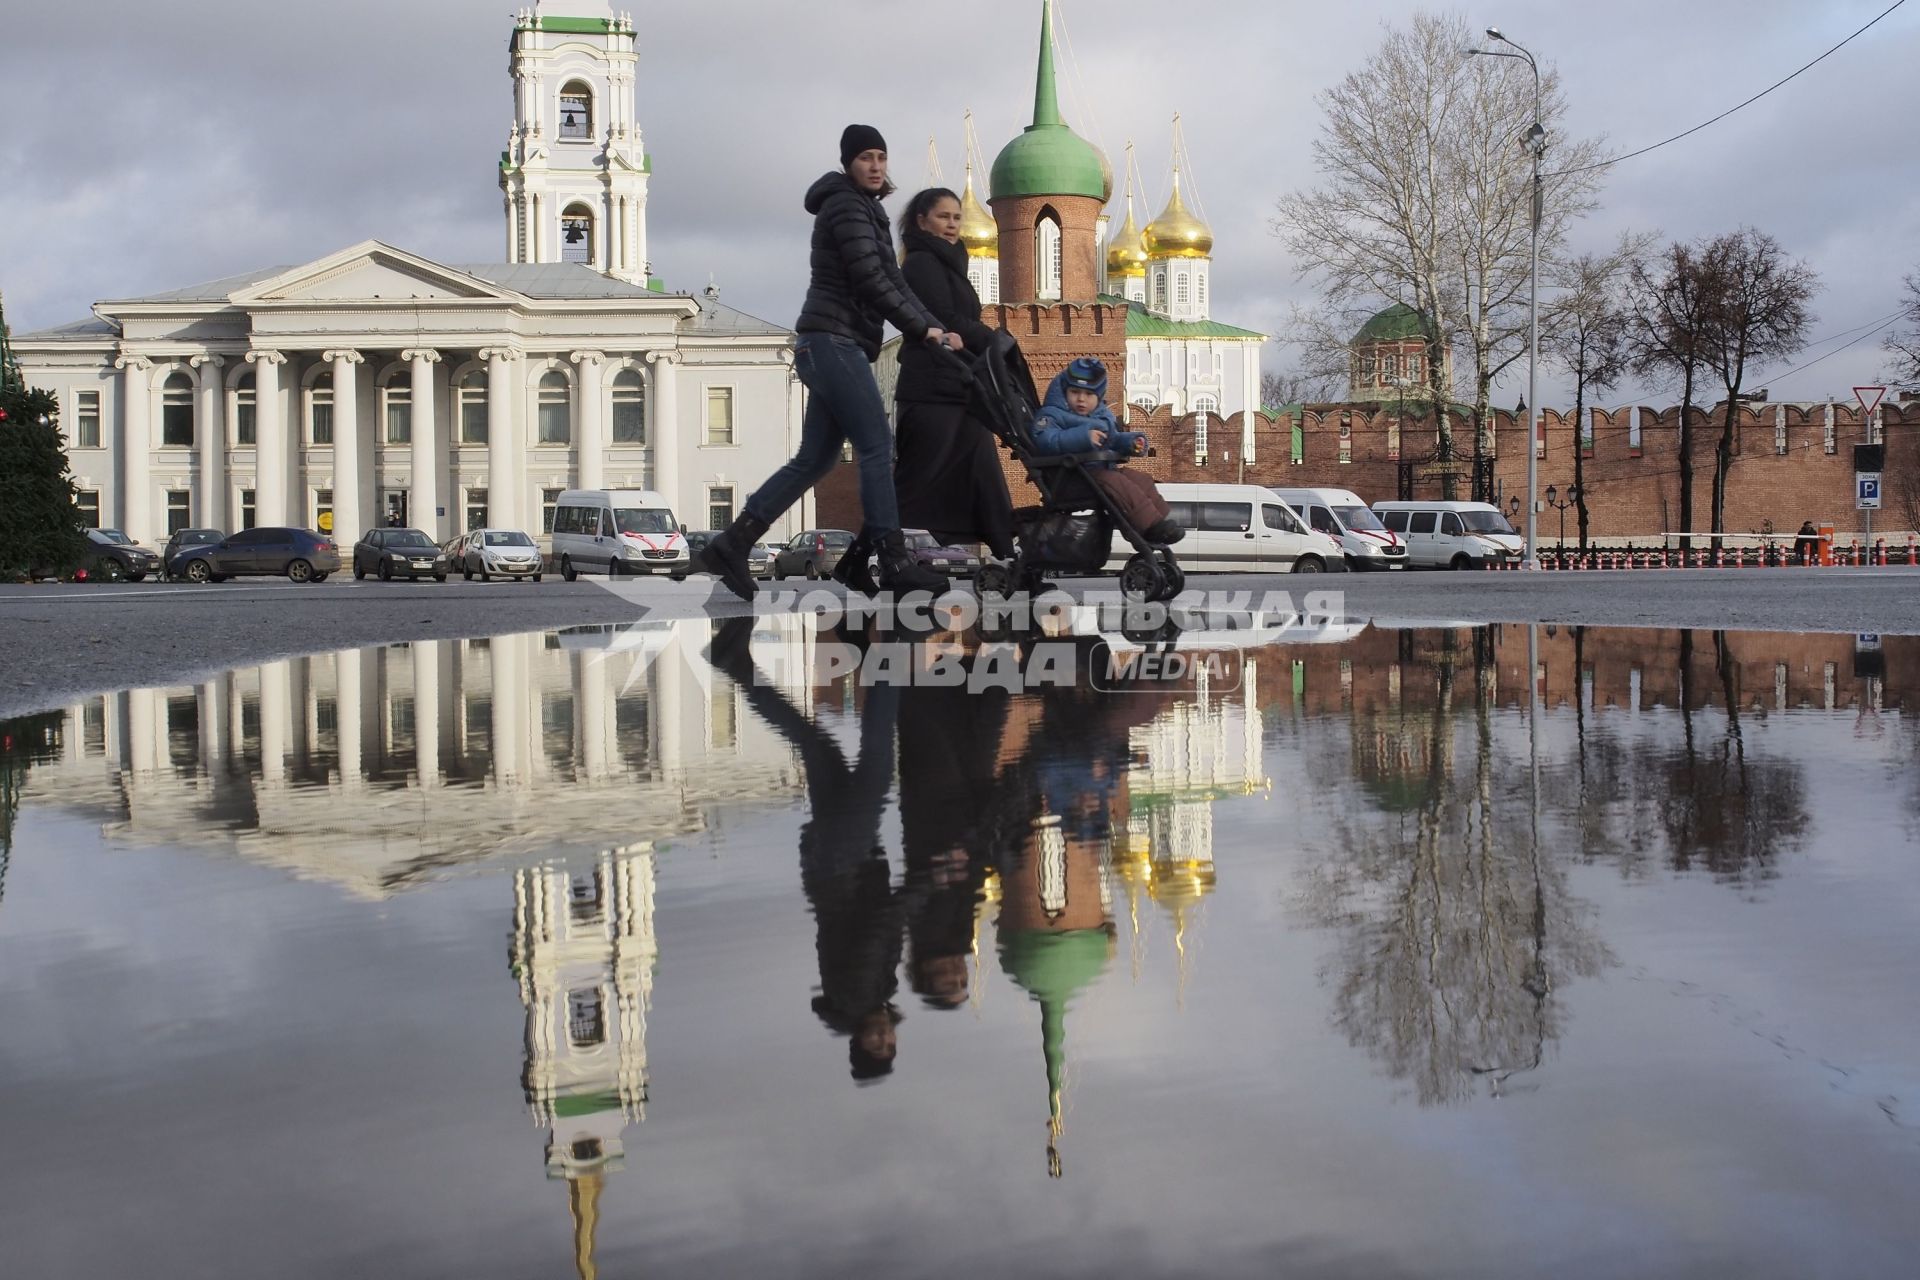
{"type": "Point", "coordinates": [375, 383]}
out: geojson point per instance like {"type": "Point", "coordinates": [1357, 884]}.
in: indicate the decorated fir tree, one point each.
{"type": "Point", "coordinates": [40, 525]}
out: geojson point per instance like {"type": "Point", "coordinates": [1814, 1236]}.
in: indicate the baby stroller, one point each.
{"type": "Point", "coordinates": [1072, 529]}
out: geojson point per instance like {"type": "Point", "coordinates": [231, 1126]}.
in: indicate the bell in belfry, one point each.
{"type": "Point", "coordinates": [576, 232]}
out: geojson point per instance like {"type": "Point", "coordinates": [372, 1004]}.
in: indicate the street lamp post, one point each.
{"type": "Point", "coordinates": [1535, 142]}
{"type": "Point", "coordinates": [1561, 504]}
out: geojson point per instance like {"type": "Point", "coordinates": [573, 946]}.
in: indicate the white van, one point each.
{"type": "Point", "coordinates": [1240, 528]}
{"type": "Point", "coordinates": [615, 532]}
{"type": "Point", "coordinates": [1342, 516]}
{"type": "Point", "coordinates": [1451, 535]}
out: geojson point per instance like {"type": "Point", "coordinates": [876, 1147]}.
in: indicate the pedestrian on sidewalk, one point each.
{"type": "Point", "coordinates": [855, 284]}
{"type": "Point", "coordinates": [1806, 544]}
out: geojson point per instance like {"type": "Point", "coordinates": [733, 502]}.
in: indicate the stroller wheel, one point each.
{"type": "Point", "coordinates": [1176, 577]}
{"type": "Point", "coordinates": [1142, 579]}
{"type": "Point", "coordinates": [994, 580]}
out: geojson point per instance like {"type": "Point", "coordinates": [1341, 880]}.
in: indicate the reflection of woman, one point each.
{"type": "Point", "coordinates": [843, 867]}
{"type": "Point", "coordinates": [946, 467]}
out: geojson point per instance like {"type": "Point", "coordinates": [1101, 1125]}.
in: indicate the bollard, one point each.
{"type": "Point", "coordinates": [1880, 552]}
{"type": "Point", "coordinates": [1719, 557]}
{"type": "Point", "coordinates": [1853, 555]}
{"type": "Point", "coordinates": [1910, 549]}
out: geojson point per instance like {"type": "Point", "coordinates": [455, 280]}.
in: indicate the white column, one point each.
{"type": "Point", "coordinates": [346, 716]}
{"type": "Point", "coordinates": [663, 434]}
{"type": "Point", "coordinates": [348, 518]}
{"type": "Point", "coordinates": [590, 440]}
{"type": "Point", "coordinates": [509, 694]}
{"type": "Point", "coordinates": [273, 448]}
{"type": "Point", "coordinates": [73, 736]}
{"type": "Point", "coordinates": [425, 500]}
{"type": "Point", "coordinates": [141, 716]}
{"type": "Point", "coordinates": [213, 726]}
{"type": "Point", "coordinates": [670, 722]}
{"type": "Point", "coordinates": [1249, 388]}
{"type": "Point", "coordinates": [503, 461]}
{"type": "Point", "coordinates": [426, 712]}
{"type": "Point", "coordinates": [136, 445]}
{"type": "Point", "coordinates": [534, 236]}
{"type": "Point", "coordinates": [513, 227]}
{"type": "Point", "coordinates": [276, 718]}
{"type": "Point", "coordinates": [212, 429]}
{"type": "Point", "coordinates": [593, 712]}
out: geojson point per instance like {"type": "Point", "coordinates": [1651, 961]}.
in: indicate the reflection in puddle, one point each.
{"type": "Point", "coordinates": [1327, 872]}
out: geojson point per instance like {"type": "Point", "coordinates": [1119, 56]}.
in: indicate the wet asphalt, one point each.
{"type": "Point", "coordinates": [60, 642]}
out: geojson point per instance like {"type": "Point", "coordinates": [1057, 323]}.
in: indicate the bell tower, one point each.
{"type": "Point", "coordinates": [574, 174]}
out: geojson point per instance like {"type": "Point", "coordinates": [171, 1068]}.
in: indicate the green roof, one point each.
{"type": "Point", "coordinates": [1048, 159]}
{"type": "Point", "coordinates": [1396, 324]}
{"type": "Point", "coordinates": [1142, 323]}
{"type": "Point", "coordinates": [586, 1104]}
{"type": "Point", "coordinates": [575, 26]}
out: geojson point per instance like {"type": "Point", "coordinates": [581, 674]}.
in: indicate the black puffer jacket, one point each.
{"type": "Point", "coordinates": [856, 283]}
{"type": "Point", "coordinates": [936, 271]}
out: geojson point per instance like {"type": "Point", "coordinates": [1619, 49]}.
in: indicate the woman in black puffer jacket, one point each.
{"type": "Point", "coordinates": [856, 284]}
{"type": "Point", "coordinates": [946, 467]}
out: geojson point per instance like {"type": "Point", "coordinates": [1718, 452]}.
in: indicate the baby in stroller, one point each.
{"type": "Point", "coordinates": [1075, 419]}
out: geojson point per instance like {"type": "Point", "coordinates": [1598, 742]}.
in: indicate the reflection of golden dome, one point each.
{"type": "Point", "coordinates": [978, 231]}
{"type": "Point", "coordinates": [1179, 883]}
{"type": "Point", "coordinates": [1176, 233]}
{"type": "Point", "coordinates": [1127, 252]}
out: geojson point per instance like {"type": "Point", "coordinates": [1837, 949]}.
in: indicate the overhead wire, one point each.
{"type": "Point", "coordinates": [1607, 164]}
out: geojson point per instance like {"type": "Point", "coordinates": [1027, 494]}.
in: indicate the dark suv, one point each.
{"type": "Point", "coordinates": [405, 553]}
{"type": "Point", "coordinates": [300, 554]}
{"type": "Point", "coordinates": [116, 556]}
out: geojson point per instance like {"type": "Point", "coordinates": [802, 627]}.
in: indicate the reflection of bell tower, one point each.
{"type": "Point", "coordinates": [584, 952]}
{"type": "Point", "coordinates": [1055, 937]}
{"type": "Point", "coordinates": [574, 172]}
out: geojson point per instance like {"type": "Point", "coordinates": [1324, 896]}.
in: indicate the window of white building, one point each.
{"type": "Point", "coordinates": [719, 506]}
{"type": "Point", "coordinates": [1146, 404]}
{"type": "Point", "coordinates": [320, 410]}
{"type": "Point", "coordinates": [576, 234]}
{"type": "Point", "coordinates": [1047, 255]}
{"type": "Point", "coordinates": [396, 407]}
{"type": "Point", "coordinates": [176, 411]}
{"type": "Point", "coordinates": [555, 414]}
{"type": "Point", "coordinates": [244, 406]}
{"type": "Point", "coordinates": [473, 408]}
{"type": "Point", "coordinates": [629, 408]}
{"type": "Point", "coordinates": [1180, 289]}
{"type": "Point", "coordinates": [476, 508]}
{"type": "Point", "coordinates": [88, 503]}
{"type": "Point", "coordinates": [720, 415]}
{"type": "Point", "coordinates": [248, 509]}
{"type": "Point", "coordinates": [86, 420]}
{"type": "Point", "coordinates": [1159, 291]}
{"type": "Point", "coordinates": [576, 113]}
{"type": "Point", "coordinates": [549, 503]}
{"type": "Point", "coordinates": [179, 510]}
{"type": "Point", "coordinates": [1200, 288]}
{"type": "Point", "coordinates": [1206, 404]}
{"type": "Point", "coordinates": [323, 510]}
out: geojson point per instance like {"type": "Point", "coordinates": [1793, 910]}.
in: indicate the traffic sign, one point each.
{"type": "Point", "coordinates": [1869, 398]}
{"type": "Point", "coordinates": [1866, 491]}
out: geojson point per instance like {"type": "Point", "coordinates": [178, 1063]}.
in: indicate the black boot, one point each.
{"type": "Point", "coordinates": [729, 652]}
{"type": "Point", "coordinates": [1165, 532]}
{"type": "Point", "coordinates": [726, 556]}
{"type": "Point", "coordinates": [900, 571]}
{"type": "Point", "coordinates": [855, 568]}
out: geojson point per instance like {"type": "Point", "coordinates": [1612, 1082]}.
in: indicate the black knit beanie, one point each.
{"type": "Point", "coordinates": [857, 138]}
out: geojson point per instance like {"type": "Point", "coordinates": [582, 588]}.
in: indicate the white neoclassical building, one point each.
{"type": "Point", "coordinates": [375, 382]}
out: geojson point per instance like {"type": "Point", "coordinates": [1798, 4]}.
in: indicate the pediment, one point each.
{"type": "Point", "coordinates": [373, 272]}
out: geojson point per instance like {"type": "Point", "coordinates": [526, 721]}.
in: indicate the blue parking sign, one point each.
{"type": "Point", "coordinates": [1866, 491]}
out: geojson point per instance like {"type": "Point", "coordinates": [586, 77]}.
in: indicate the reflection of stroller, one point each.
{"type": "Point", "coordinates": [1072, 529]}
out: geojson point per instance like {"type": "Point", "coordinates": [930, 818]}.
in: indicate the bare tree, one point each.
{"type": "Point", "coordinates": [1668, 298]}
{"type": "Point", "coordinates": [1309, 380]}
{"type": "Point", "coordinates": [1586, 331]}
{"type": "Point", "coordinates": [1757, 313]}
{"type": "Point", "coordinates": [1426, 192]}
{"type": "Point", "coordinates": [1904, 344]}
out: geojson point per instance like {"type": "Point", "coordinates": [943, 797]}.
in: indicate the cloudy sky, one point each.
{"type": "Point", "coordinates": [152, 145]}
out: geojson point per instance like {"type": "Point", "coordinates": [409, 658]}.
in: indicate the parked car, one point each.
{"type": "Point", "coordinates": [301, 554]}
{"type": "Point", "coordinates": [391, 553]}
{"type": "Point", "coordinates": [941, 559]}
{"type": "Point", "coordinates": [759, 556]}
{"type": "Point", "coordinates": [616, 531]}
{"type": "Point", "coordinates": [811, 554]}
{"type": "Point", "coordinates": [116, 556]}
{"type": "Point", "coordinates": [487, 552]}
{"type": "Point", "coordinates": [184, 540]}
{"type": "Point", "coordinates": [1240, 528]}
{"type": "Point", "coordinates": [1451, 535]}
{"type": "Point", "coordinates": [1342, 516]}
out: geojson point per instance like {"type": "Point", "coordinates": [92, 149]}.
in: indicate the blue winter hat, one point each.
{"type": "Point", "coordinates": [1087, 374]}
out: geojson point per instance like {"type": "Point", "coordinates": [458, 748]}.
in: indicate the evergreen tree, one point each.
{"type": "Point", "coordinates": [40, 525]}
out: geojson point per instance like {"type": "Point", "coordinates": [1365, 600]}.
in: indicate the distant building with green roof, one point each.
{"type": "Point", "coordinates": [1387, 358]}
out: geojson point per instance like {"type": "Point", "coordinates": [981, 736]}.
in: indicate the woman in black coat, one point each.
{"type": "Point", "coordinates": [946, 469]}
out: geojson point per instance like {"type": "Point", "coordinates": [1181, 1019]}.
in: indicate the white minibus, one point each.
{"type": "Point", "coordinates": [615, 532]}
{"type": "Point", "coordinates": [1451, 535]}
{"type": "Point", "coordinates": [1342, 516]}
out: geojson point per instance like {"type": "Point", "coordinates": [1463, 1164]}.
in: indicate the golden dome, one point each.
{"type": "Point", "coordinates": [1127, 252]}
{"type": "Point", "coordinates": [1176, 233]}
{"type": "Point", "coordinates": [978, 231]}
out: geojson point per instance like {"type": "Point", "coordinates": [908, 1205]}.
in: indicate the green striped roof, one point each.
{"type": "Point", "coordinates": [1142, 323]}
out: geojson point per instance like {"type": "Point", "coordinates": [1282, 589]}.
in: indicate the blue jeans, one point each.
{"type": "Point", "coordinates": [843, 404]}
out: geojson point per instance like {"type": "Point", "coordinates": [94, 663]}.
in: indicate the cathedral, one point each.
{"type": "Point", "coordinates": [375, 384]}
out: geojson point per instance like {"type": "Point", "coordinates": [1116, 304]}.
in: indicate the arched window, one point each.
{"type": "Point", "coordinates": [1046, 258]}
{"type": "Point", "coordinates": [576, 112]}
{"type": "Point", "coordinates": [473, 408]}
{"type": "Point", "coordinates": [576, 234]}
{"type": "Point", "coordinates": [1206, 404]}
{"type": "Point", "coordinates": [629, 409]}
{"type": "Point", "coordinates": [1200, 286]}
{"type": "Point", "coordinates": [1146, 404]}
{"type": "Point", "coordinates": [396, 407]}
{"type": "Point", "coordinates": [556, 418]}
{"type": "Point", "coordinates": [320, 410]}
{"type": "Point", "coordinates": [1180, 290]}
{"type": "Point", "coordinates": [1160, 291]}
{"type": "Point", "coordinates": [245, 403]}
{"type": "Point", "coordinates": [176, 410]}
